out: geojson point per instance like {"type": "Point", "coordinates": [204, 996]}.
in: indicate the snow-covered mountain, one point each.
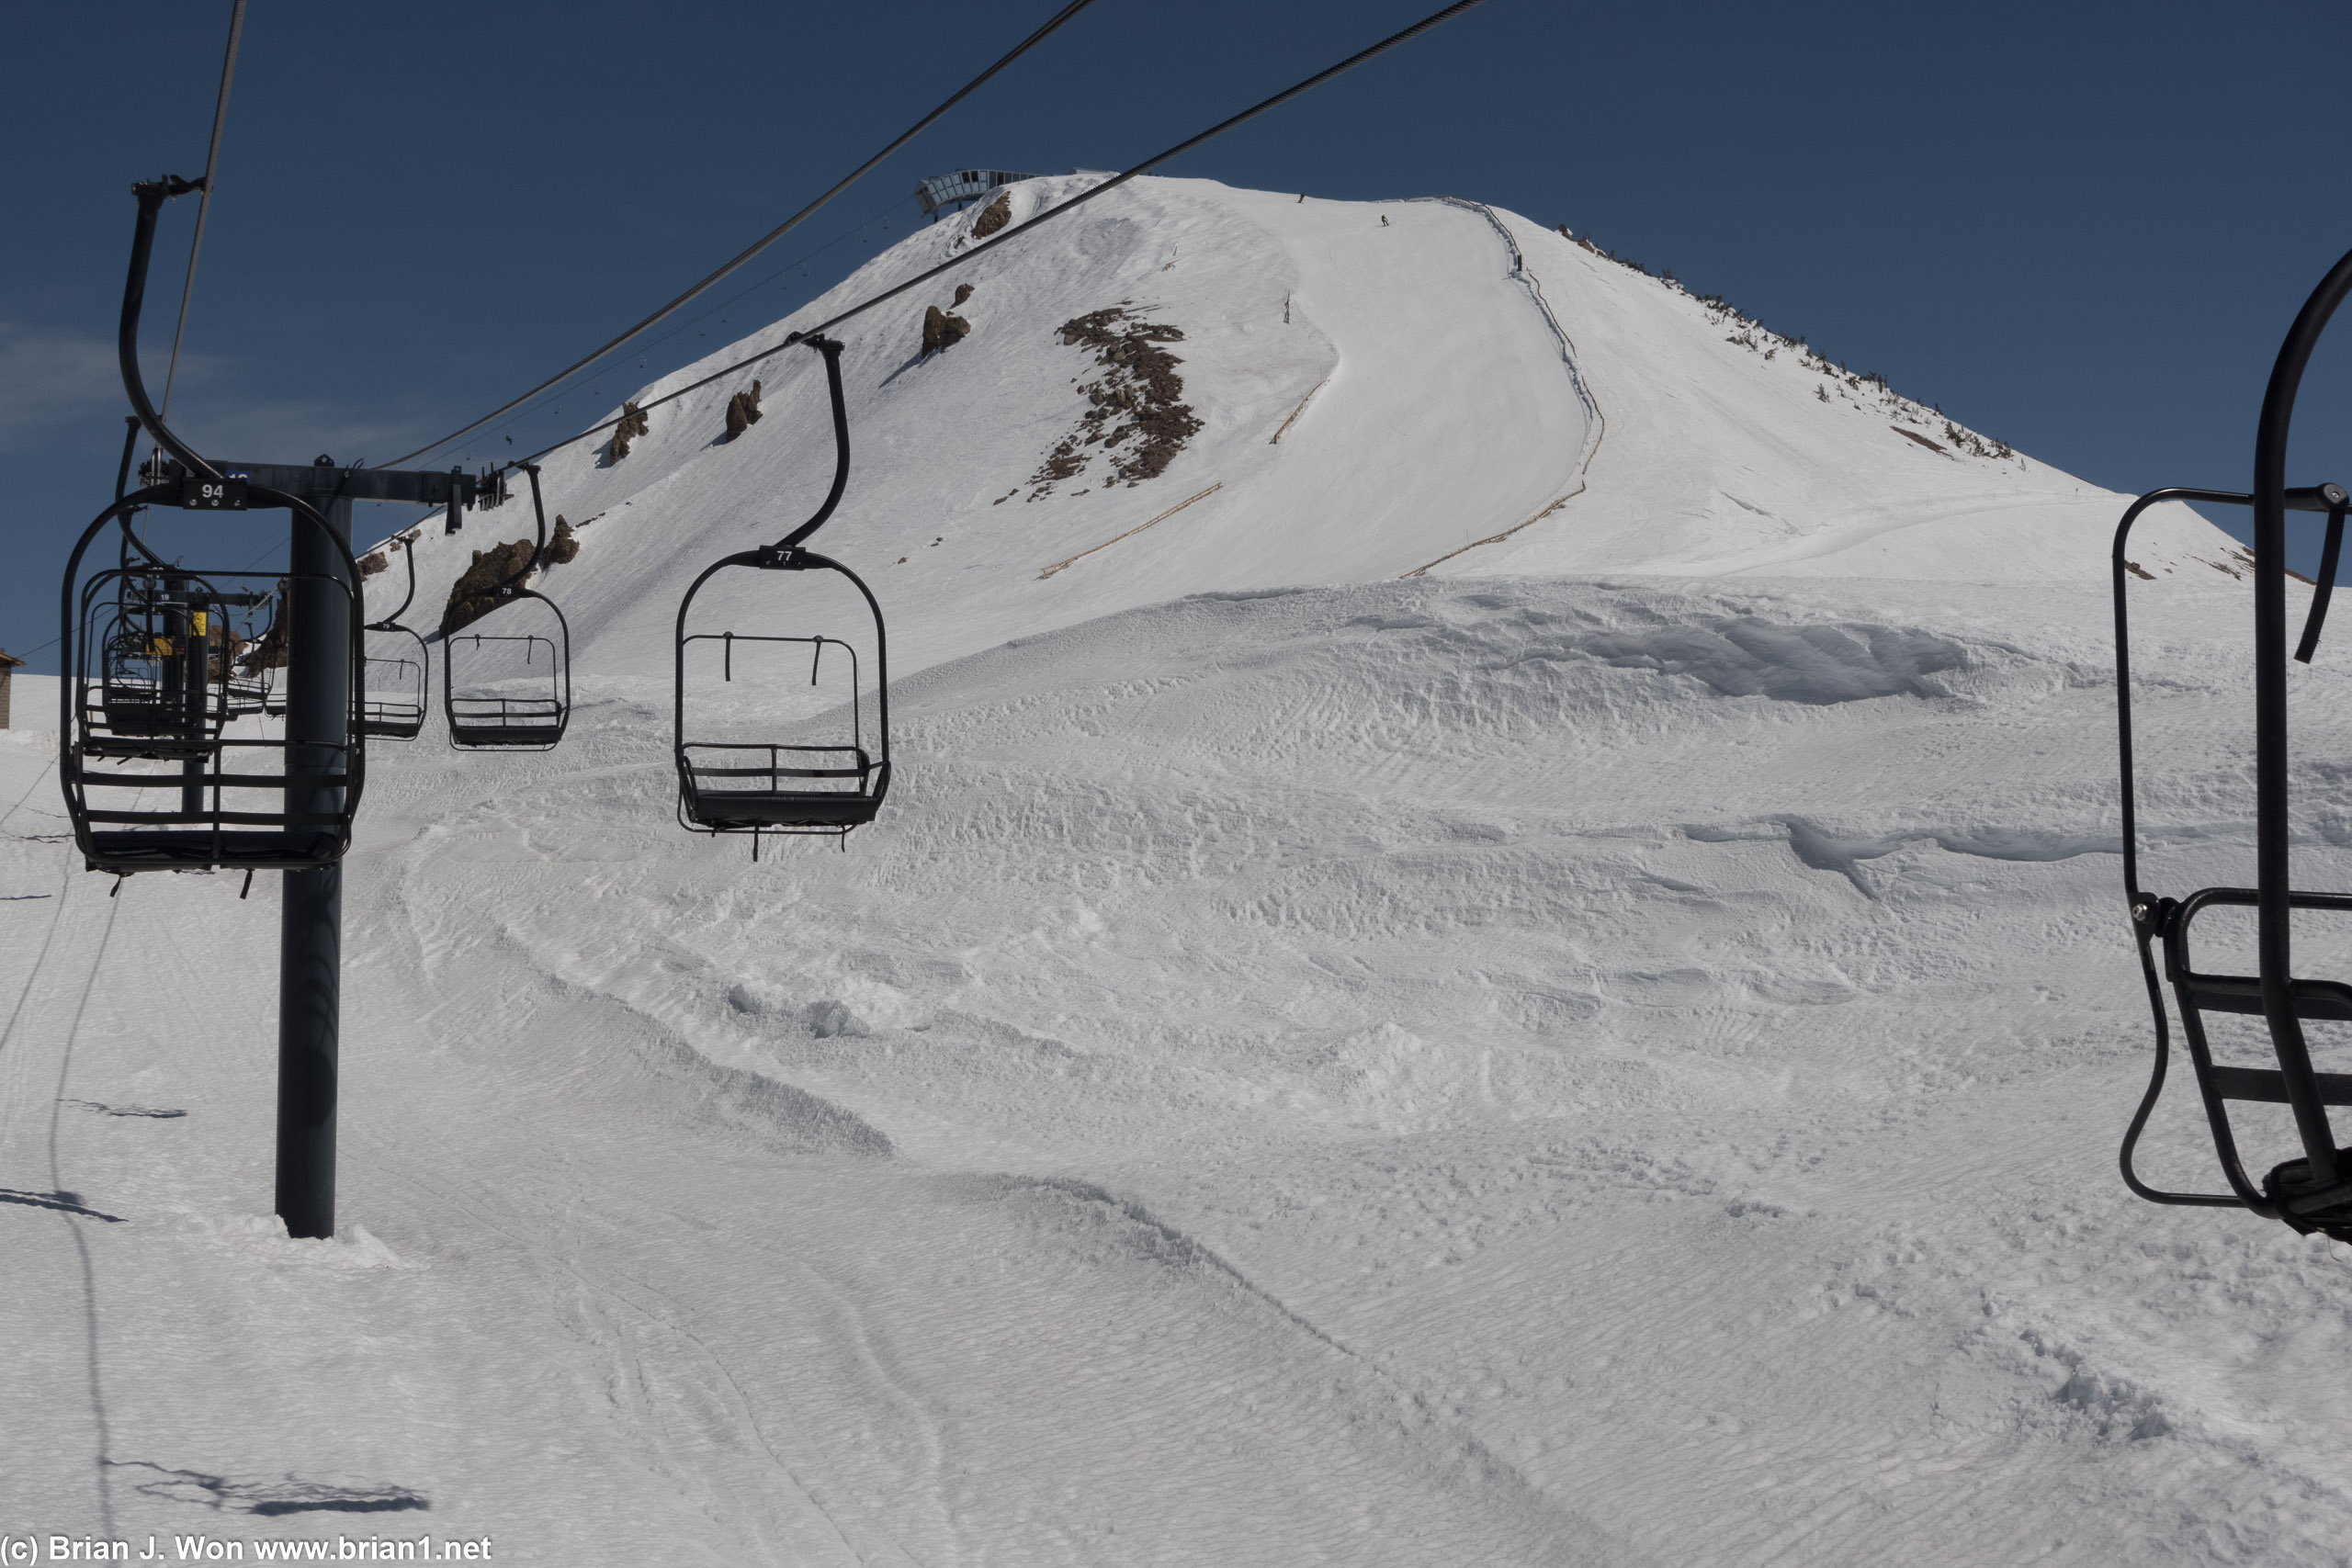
{"type": "Point", "coordinates": [1382, 390]}
{"type": "Point", "coordinates": [1537, 975]}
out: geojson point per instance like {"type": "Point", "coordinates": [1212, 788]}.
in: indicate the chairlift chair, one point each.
{"type": "Point", "coordinates": [197, 791]}
{"type": "Point", "coordinates": [2313, 1193]}
{"type": "Point", "coordinates": [395, 684]}
{"type": "Point", "coordinates": [254, 691]}
{"type": "Point", "coordinates": [151, 698]}
{"type": "Point", "coordinates": [798, 786]}
{"type": "Point", "coordinates": [158, 773]}
{"type": "Point", "coordinates": [257, 664]}
{"type": "Point", "coordinates": [484, 719]}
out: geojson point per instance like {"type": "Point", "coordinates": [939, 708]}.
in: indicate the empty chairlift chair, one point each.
{"type": "Point", "coordinates": [2313, 1192]}
{"type": "Point", "coordinates": [161, 769]}
{"type": "Point", "coordinates": [397, 671]}
{"type": "Point", "coordinates": [825, 775]}
{"type": "Point", "coordinates": [506, 675]}
{"type": "Point", "coordinates": [156, 774]}
{"type": "Point", "coordinates": [151, 698]}
{"type": "Point", "coordinates": [256, 664]}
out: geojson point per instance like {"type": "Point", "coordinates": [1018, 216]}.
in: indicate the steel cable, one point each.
{"type": "Point", "coordinates": [1064, 14]}
{"type": "Point", "coordinates": [1424, 25]}
{"type": "Point", "coordinates": [204, 202]}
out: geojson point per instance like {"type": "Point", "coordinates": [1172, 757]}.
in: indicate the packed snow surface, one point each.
{"type": "Point", "coordinates": [1607, 1051]}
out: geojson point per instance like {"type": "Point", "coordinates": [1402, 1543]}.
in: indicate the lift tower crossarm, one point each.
{"type": "Point", "coordinates": [425, 486]}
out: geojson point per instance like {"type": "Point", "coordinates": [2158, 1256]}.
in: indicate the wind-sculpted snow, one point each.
{"type": "Point", "coordinates": [1793, 664]}
{"type": "Point", "coordinates": [1410, 1073]}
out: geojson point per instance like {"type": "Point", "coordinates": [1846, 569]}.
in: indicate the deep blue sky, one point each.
{"type": "Point", "coordinates": [2081, 228]}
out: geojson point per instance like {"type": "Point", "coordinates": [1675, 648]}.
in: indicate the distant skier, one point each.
{"type": "Point", "coordinates": [1384, 221]}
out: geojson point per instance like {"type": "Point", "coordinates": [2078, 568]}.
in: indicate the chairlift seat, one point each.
{"type": "Point", "coordinates": [504, 737]}
{"type": "Point", "coordinates": [512, 724]}
{"type": "Point", "coordinates": [142, 713]}
{"type": "Point", "coordinates": [722, 809]}
{"type": "Point", "coordinates": [735, 810]}
{"type": "Point", "coordinates": [196, 849]}
{"type": "Point", "coordinates": [134, 724]}
{"type": "Point", "coordinates": [393, 721]}
{"type": "Point", "coordinates": [2313, 1001]}
{"type": "Point", "coordinates": [152, 748]}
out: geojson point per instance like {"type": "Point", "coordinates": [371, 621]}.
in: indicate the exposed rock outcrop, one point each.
{"type": "Point", "coordinates": [633, 424]}
{"type": "Point", "coordinates": [474, 594]}
{"type": "Point", "coordinates": [940, 330]}
{"type": "Point", "coordinates": [1135, 397]}
{"type": "Point", "coordinates": [743, 412]}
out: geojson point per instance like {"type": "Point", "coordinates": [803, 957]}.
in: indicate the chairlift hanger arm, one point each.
{"type": "Point", "coordinates": [391, 622]}
{"type": "Point", "coordinates": [2321, 1180]}
{"type": "Point", "coordinates": [2323, 583]}
{"type": "Point", "coordinates": [512, 587]}
{"type": "Point", "coordinates": [833, 356]}
{"type": "Point", "coordinates": [121, 486]}
{"type": "Point", "coordinates": [129, 450]}
{"type": "Point", "coordinates": [151, 194]}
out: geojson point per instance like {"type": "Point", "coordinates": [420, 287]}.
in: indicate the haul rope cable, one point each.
{"type": "Point", "coordinates": [521, 413]}
{"type": "Point", "coordinates": [1064, 14]}
{"type": "Point", "coordinates": [1424, 25]}
{"type": "Point", "coordinates": [187, 288]}
{"type": "Point", "coordinates": [204, 202]}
